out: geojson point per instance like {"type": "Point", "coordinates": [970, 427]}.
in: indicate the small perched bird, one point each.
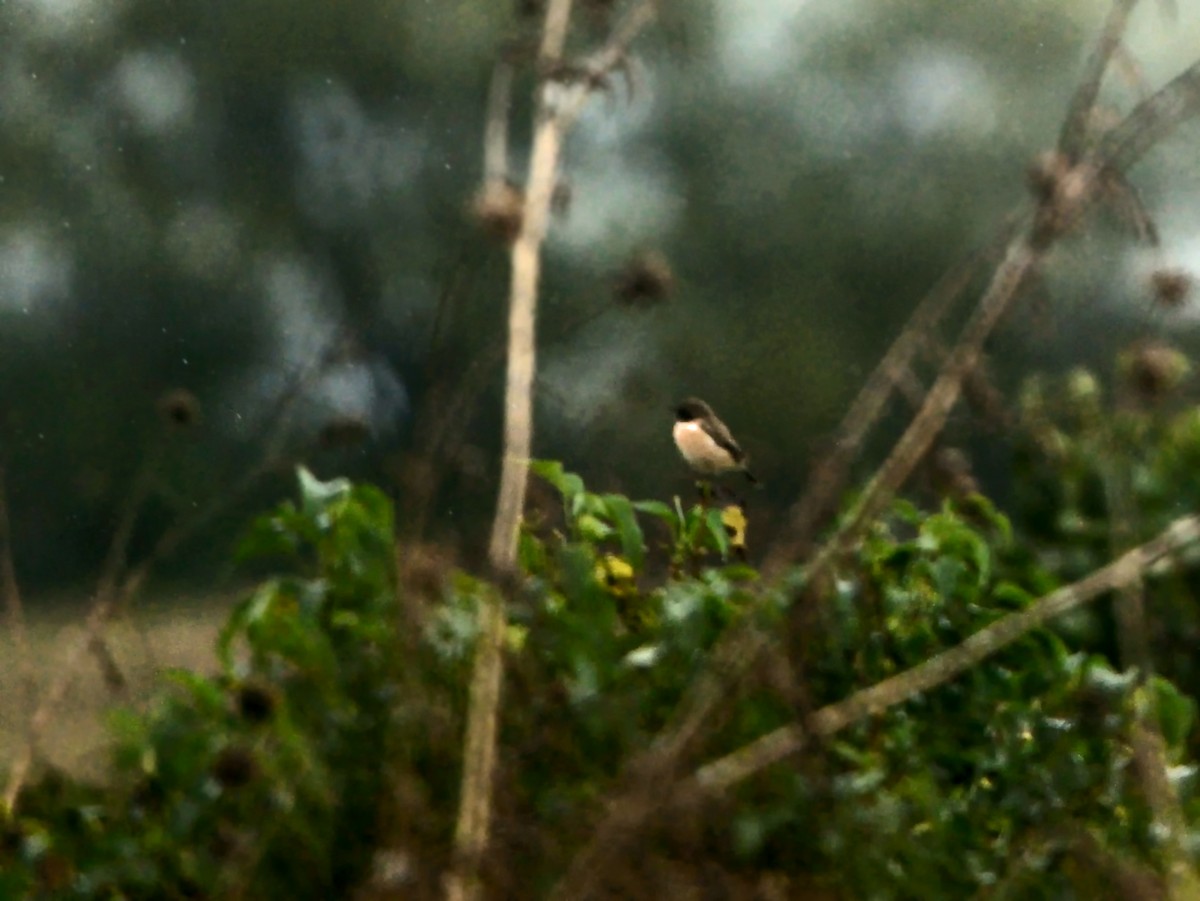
{"type": "Point", "coordinates": [705, 442]}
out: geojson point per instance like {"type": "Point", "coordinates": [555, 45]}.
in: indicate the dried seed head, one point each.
{"type": "Point", "coordinates": [1171, 287]}
{"type": "Point", "coordinates": [255, 702]}
{"type": "Point", "coordinates": [179, 408]}
{"type": "Point", "coordinates": [646, 281]}
{"type": "Point", "coordinates": [1153, 369]}
{"type": "Point", "coordinates": [235, 767]}
{"type": "Point", "coordinates": [498, 208]}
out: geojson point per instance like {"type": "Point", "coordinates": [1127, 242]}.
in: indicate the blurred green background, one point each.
{"type": "Point", "coordinates": [210, 196]}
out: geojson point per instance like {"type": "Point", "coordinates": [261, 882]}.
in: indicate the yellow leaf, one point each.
{"type": "Point", "coordinates": [734, 519]}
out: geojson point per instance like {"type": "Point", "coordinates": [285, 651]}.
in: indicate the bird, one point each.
{"type": "Point", "coordinates": [704, 441]}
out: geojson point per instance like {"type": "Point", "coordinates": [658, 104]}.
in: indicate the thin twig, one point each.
{"type": "Point", "coordinates": [627, 813]}
{"type": "Point", "coordinates": [1019, 263]}
{"type": "Point", "coordinates": [830, 476]}
{"type": "Point", "coordinates": [114, 592]}
{"type": "Point", "coordinates": [14, 608]}
{"type": "Point", "coordinates": [1152, 120]}
{"type": "Point", "coordinates": [1075, 127]}
{"type": "Point", "coordinates": [116, 560]}
{"type": "Point", "coordinates": [1152, 768]}
{"type": "Point", "coordinates": [1160, 114]}
{"type": "Point", "coordinates": [443, 437]}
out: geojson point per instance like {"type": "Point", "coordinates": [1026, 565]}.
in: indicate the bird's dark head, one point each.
{"type": "Point", "coordinates": [691, 409]}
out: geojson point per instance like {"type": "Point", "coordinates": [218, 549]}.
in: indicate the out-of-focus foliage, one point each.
{"type": "Point", "coordinates": [325, 754]}
{"type": "Point", "coordinates": [209, 196]}
{"type": "Point", "coordinates": [255, 782]}
{"type": "Point", "coordinates": [1123, 453]}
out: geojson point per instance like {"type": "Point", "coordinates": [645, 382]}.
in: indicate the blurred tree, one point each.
{"type": "Point", "coordinates": [209, 196]}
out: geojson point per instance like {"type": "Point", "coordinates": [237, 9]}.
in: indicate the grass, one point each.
{"type": "Point", "coordinates": [171, 631]}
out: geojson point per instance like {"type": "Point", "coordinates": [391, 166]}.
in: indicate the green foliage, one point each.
{"type": "Point", "coordinates": [334, 728]}
{"type": "Point", "coordinates": [988, 783]}
{"type": "Point", "coordinates": [262, 781]}
{"type": "Point", "coordinates": [1100, 467]}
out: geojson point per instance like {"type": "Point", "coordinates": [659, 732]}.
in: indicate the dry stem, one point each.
{"type": "Point", "coordinates": [116, 587]}
{"type": "Point", "coordinates": [11, 590]}
{"type": "Point", "coordinates": [831, 474]}
{"type": "Point", "coordinates": [552, 122]}
{"type": "Point", "coordinates": [479, 751]}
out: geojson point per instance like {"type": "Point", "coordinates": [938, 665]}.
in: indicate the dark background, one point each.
{"type": "Point", "coordinates": [211, 196]}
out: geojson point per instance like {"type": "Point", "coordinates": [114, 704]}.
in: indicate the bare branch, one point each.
{"type": "Point", "coordinates": [1133, 636]}
{"type": "Point", "coordinates": [830, 475]}
{"type": "Point", "coordinates": [1018, 265]}
{"type": "Point", "coordinates": [1079, 112]}
{"type": "Point", "coordinates": [1152, 120]}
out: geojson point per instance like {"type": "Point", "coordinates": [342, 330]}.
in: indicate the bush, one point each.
{"type": "Point", "coordinates": [333, 729]}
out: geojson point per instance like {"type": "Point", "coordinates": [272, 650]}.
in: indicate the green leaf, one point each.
{"type": "Point", "coordinates": [1176, 711]}
{"type": "Point", "coordinates": [716, 527]}
{"type": "Point", "coordinates": [202, 689]}
{"type": "Point", "coordinates": [253, 609]}
{"type": "Point", "coordinates": [267, 537]}
{"type": "Point", "coordinates": [531, 553]}
{"type": "Point", "coordinates": [740, 572]}
{"type": "Point", "coordinates": [633, 544]}
{"type": "Point", "coordinates": [592, 529]}
{"type": "Point", "coordinates": [567, 484]}
{"type": "Point", "coordinates": [316, 495]}
{"type": "Point", "coordinates": [657, 508]}
{"type": "Point", "coordinates": [1007, 596]}
{"type": "Point", "coordinates": [550, 471]}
